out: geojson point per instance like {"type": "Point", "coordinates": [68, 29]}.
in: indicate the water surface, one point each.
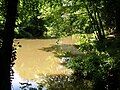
{"type": "Point", "coordinates": [33, 61]}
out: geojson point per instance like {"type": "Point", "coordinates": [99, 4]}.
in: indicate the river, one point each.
{"type": "Point", "coordinates": [32, 61]}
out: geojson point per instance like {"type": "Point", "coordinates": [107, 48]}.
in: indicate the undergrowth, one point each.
{"type": "Point", "coordinates": [99, 64]}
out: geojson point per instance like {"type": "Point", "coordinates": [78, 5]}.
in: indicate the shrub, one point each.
{"type": "Point", "coordinates": [94, 67]}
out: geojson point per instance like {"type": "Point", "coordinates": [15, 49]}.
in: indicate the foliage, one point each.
{"type": "Point", "coordinates": [61, 18]}
{"type": "Point", "coordinates": [85, 42]}
{"type": "Point", "coordinates": [57, 18]}
{"type": "Point", "coordinates": [28, 23]}
{"type": "Point", "coordinates": [65, 18]}
{"type": "Point", "coordinates": [99, 65]}
{"type": "Point", "coordinates": [93, 67]}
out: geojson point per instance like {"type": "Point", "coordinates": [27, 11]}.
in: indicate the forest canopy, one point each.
{"type": "Point", "coordinates": [56, 18]}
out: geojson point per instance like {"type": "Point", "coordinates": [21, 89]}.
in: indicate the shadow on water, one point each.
{"type": "Point", "coordinates": [33, 59]}
{"type": "Point", "coordinates": [65, 82]}
{"type": "Point", "coordinates": [51, 82]}
{"type": "Point", "coordinates": [63, 50]}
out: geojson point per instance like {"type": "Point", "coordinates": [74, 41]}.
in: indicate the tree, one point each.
{"type": "Point", "coordinates": [6, 49]}
{"type": "Point", "coordinates": [29, 24]}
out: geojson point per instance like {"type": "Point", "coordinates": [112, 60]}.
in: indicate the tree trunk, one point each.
{"type": "Point", "coordinates": [97, 24]}
{"type": "Point", "coordinates": [6, 49]}
{"type": "Point", "coordinates": [101, 26]}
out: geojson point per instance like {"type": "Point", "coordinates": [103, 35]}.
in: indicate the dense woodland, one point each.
{"type": "Point", "coordinates": [95, 21]}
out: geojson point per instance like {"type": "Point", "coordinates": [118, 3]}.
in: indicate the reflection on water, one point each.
{"type": "Point", "coordinates": [18, 81]}
{"type": "Point", "coordinates": [51, 82]}
{"type": "Point", "coordinates": [65, 82]}
{"type": "Point", "coordinates": [32, 62]}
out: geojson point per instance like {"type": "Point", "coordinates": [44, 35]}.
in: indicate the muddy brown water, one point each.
{"type": "Point", "coordinates": [32, 61]}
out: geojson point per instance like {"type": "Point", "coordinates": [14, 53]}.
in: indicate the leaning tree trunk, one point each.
{"type": "Point", "coordinates": [6, 49]}
{"type": "Point", "coordinates": [97, 24]}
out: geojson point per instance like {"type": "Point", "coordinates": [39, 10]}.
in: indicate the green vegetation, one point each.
{"type": "Point", "coordinates": [94, 20]}
{"type": "Point", "coordinates": [59, 18]}
{"type": "Point", "coordinates": [99, 65]}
